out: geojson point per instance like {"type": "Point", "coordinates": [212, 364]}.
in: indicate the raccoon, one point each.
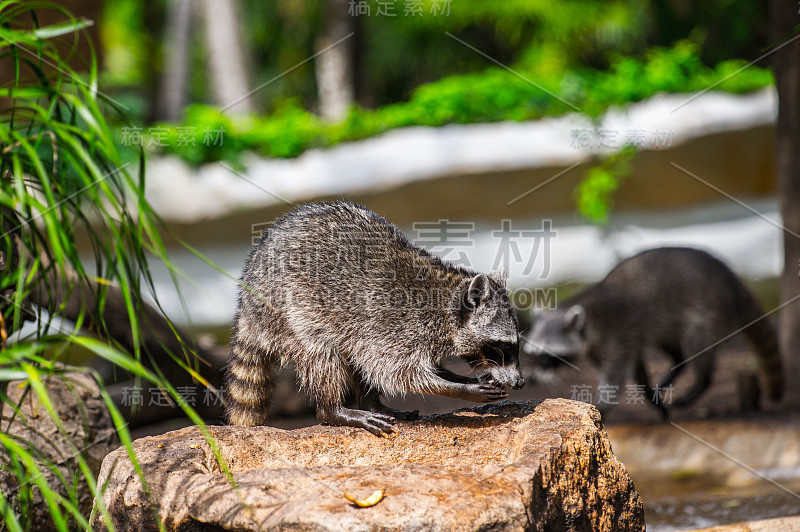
{"type": "Point", "coordinates": [680, 301]}
{"type": "Point", "coordinates": [342, 294]}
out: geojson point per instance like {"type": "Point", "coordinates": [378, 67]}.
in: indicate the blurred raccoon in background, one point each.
{"type": "Point", "coordinates": [682, 302]}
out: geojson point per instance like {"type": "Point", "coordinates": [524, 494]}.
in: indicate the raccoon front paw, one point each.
{"type": "Point", "coordinates": [485, 393]}
{"type": "Point", "coordinates": [493, 392]}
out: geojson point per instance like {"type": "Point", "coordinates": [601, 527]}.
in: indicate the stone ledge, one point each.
{"type": "Point", "coordinates": [507, 466]}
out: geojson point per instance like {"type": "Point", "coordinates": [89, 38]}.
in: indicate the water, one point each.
{"type": "Point", "coordinates": [689, 504]}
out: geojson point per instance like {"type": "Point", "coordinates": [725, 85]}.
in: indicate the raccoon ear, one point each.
{"type": "Point", "coordinates": [575, 318]}
{"type": "Point", "coordinates": [500, 276]}
{"type": "Point", "coordinates": [478, 291]}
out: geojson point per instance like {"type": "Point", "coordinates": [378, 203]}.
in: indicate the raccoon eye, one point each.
{"type": "Point", "coordinates": [501, 352]}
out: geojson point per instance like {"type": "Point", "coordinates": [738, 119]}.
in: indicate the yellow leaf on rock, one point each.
{"type": "Point", "coordinates": [372, 500]}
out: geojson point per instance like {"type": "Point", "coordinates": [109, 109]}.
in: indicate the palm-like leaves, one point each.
{"type": "Point", "coordinates": [65, 195]}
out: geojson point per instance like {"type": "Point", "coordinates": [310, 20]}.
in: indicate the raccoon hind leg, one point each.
{"type": "Point", "coordinates": [369, 399]}
{"type": "Point", "coordinates": [700, 356]}
{"type": "Point", "coordinates": [324, 374]}
{"type": "Point", "coordinates": [642, 378]}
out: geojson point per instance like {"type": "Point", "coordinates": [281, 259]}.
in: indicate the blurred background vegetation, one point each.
{"type": "Point", "coordinates": [417, 67]}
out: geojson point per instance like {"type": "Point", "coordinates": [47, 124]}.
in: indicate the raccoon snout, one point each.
{"type": "Point", "coordinates": [505, 377]}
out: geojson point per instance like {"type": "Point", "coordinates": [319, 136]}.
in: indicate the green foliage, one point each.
{"type": "Point", "coordinates": [594, 195]}
{"type": "Point", "coordinates": [63, 181]}
{"type": "Point", "coordinates": [400, 53]}
{"type": "Point", "coordinates": [492, 95]}
{"type": "Point", "coordinates": [125, 42]}
{"type": "Point", "coordinates": [397, 54]}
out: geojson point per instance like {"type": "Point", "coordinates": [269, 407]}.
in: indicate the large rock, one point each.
{"type": "Point", "coordinates": [88, 432]}
{"type": "Point", "coordinates": [508, 466]}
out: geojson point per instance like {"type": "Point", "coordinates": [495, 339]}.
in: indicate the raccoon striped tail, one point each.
{"type": "Point", "coordinates": [248, 386]}
{"type": "Point", "coordinates": [765, 342]}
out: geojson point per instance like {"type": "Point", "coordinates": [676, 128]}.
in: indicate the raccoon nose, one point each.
{"type": "Point", "coordinates": [519, 382]}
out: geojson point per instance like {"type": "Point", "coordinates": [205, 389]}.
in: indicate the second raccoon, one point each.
{"type": "Point", "coordinates": [679, 301]}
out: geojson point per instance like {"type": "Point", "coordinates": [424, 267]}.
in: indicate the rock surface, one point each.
{"type": "Point", "coordinates": [88, 432]}
{"type": "Point", "coordinates": [508, 466]}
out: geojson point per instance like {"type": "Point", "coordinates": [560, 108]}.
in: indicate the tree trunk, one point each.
{"type": "Point", "coordinates": [172, 93]}
{"type": "Point", "coordinates": [334, 67]}
{"type": "Point", "coordinates": [230, 85]}
{"type": "Point", "coordinates": [786, 64]}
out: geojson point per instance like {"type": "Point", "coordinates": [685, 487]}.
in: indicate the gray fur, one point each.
{"type": "Point", "coordinates": [679, 301]}
{"type": "Point", "coordinates": [340, 292]}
